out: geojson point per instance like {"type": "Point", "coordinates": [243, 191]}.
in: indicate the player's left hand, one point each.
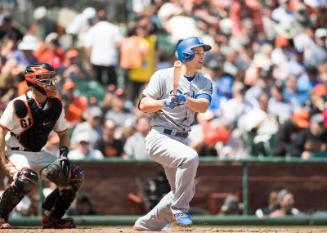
{"type": "Point", "coordinates": [170, 102]}
{"type": "Point", "coordinates": [180, 99]}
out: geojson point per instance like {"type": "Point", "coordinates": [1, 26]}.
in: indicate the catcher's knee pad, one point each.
{"type": "Point", "coordinates": [54, 173]}
{"type": "Point", "coordinates": [76, 177]}
{"type": "Point", "coordinates": [26, 180]}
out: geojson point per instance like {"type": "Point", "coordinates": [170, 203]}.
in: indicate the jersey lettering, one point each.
{"type": "Point", "coordinates": [25, 123]}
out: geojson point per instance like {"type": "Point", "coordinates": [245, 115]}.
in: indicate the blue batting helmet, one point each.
{"type": "Point", "coordinates": [184, 48]}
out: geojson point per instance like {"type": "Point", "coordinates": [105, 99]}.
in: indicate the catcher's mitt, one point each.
{"type": "Point", "coordinates": [59, 171]}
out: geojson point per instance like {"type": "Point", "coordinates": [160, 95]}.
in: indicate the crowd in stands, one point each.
{"type": "Point", "coordinates": [268, 66]}
{"type": "Point", "coordinates": [280, 203]}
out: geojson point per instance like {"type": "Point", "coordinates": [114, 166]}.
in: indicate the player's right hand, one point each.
{"type": "Point", "coordinates": [180, 99]}
{"type": "Point", "coordinates": [170, 102]}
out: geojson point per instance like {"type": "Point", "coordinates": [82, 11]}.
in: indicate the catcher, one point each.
{"type": "Point", "coordinates": [25, 126]}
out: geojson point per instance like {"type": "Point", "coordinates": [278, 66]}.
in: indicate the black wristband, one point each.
{"type": "Point", "coordinates": [63, 151]}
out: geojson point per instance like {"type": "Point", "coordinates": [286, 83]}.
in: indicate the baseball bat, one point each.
{"type": "Point", "coordinates": [177, 75]}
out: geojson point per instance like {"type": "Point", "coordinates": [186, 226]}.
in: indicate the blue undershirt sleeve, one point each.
{"type": "Point", "coordinates": [203, 95]}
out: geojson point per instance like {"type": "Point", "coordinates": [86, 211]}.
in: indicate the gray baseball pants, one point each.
{"type": "Point", "coordinates": [180, 163]}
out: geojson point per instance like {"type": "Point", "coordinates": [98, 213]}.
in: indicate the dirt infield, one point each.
{"type": "Point", "coordinates": [197, 229]}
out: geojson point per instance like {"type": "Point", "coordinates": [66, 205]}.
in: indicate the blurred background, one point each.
{"type": "Point", "coordinates": [268, 65]}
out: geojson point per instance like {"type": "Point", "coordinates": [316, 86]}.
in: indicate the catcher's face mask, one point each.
{"type": "Point", "coordinates": [41, 76]}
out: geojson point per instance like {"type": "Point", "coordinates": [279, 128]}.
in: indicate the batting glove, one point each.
{"type": "Point", "coordinates": [180, 99]}
{"type": "Point", "coordinates": [170, 102]}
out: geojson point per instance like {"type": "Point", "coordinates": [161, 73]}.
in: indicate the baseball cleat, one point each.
{"type": "Point", "coordinates": [135, 228]}
{"type": "Point", "coordinates": [4, 224]}
{"type": "Point", "coordinates": [183, 219]}
{"type": "Point", "coordinates": [63, 223]}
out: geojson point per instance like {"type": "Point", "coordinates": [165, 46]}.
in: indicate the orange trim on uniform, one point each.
{"type": "Point", "coordinates": [4, 127]}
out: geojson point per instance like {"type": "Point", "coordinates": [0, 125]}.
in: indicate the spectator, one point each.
{"type": "Point", "coordinates": [286, 203]}
{"type": "Point", "coordinates": [154, 189]}
{"type": "Point", "coordinates": [44, 24]}
{"type": "Point", "coordinates": [74, 105]}
{"type": "Point", "coordinates": [278, 106]}
{"type": "Point", "coordinates": [71, 68]}
{"type": "Point", "coordinates": [287, 134]}
{"type": "Point", "coordinates": [146, 45]}
{"type": "Point", "coordinates": [24, 55]}
{"type": "Point", "coordinates": [313, 139]}
{"type": "Point", "coordinates": [51, 51]}
{"type": "Point", "coordinates": [110, 144]}
{"type": "Point", "coordinates": [315, 54]}
{"type": "Point", "coordinates": [111, 91]}
{"type": "Point", "coordinates": [240, 10]}
{"type": "Point", "coordinates": [176, 22]}
{"type": "Point", "coordinates": [231, 206]}
{"type": "Point", "coordinates": [260, 127]}
{"type": "Point", "coordinates": [8, 72]}
{"type": "Point", "coordinates": [318, 97]}
{"type": "Point", "coordinates": [135, 145]}
{"type": "Point", "coordinates": [306, 82]}
{"type": "Point", "coordinates": [272, 205]}
{"type": "Point", "coordinates": [81, 24]}
{"type": "Point", "coordinates": [119, 113]}
{"type": "Point", "coordinates": [222, 88]}
{"type": "Point", "coordinates": [291, 92]}
{"type": "Point", "coordinates": [52, 145]}
{"type": "Point", "coordinates": [7, 28]}
{"type": "Point", "coordinates": [82, 205]}
{"type": "Point", "coordinates": [92, 126]}
{"type": "Point", "coordinates": [83, 149]}
{"type": "Point", "coordinates": [103, 36]}
{"type": "Point", "coordinates": [233, 109]}
{"type": "Point", "coordinates": [214, 131]}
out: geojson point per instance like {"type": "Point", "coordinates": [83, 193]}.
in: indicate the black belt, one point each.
{"type": "Point", "coordinates": [182, 134]}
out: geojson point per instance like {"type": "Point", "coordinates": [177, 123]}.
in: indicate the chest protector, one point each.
{"type": "Point", "coordinates": [44, 119]}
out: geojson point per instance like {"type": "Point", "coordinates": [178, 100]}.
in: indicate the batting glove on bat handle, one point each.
{"type": "Point", "coordinates": [180, 99]}
{"type": "Point", "coordinates": [170, 102]}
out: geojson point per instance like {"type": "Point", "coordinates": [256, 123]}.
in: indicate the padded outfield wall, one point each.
{"type": "Point", "coordinates": [112, 184]}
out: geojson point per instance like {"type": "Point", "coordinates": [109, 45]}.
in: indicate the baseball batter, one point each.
{"type": "Point", "coordinates": [24, 129]}
{"type": "Point", "coordinates": [172, 117]}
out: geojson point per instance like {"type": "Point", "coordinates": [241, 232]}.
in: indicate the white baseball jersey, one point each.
{"type": "Point", "coordinates": [9, 120]}
{"type": "Point", "coordinates": [161, 87]}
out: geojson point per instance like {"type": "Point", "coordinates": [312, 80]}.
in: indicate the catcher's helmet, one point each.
{"type": "Point", "coordinates": [41, 76]}
{"type": "Point", "coordinates": [184, 48]}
